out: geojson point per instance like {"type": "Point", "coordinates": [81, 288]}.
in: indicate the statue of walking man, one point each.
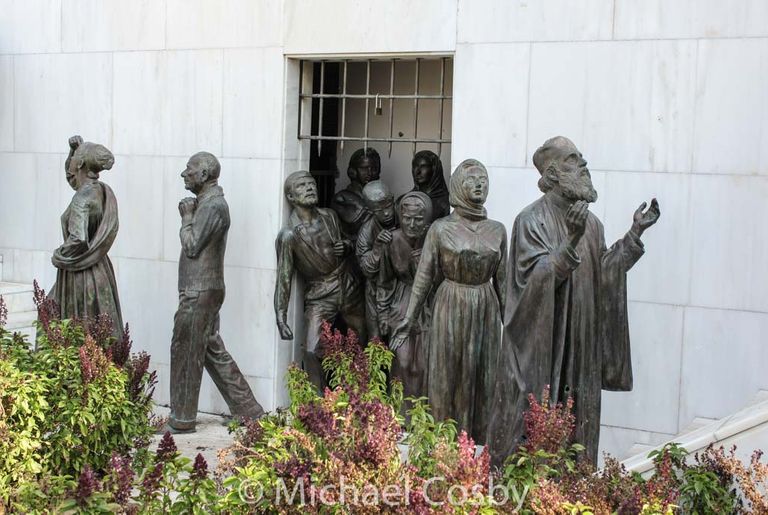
{"type": "Point", "coordinates": [566, 313]}
{"type": "Point", "coordinates": [196, 341]}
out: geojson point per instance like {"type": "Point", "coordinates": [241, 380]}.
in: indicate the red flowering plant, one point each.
{"type": "Point", "coordinates": [340, 452]}
{"type": "Point", "coordinates": [549, 478]}
{"type": "Point", "coordinates": [547, 453]}
{"type": "Point", "coordinates": [71, 402]}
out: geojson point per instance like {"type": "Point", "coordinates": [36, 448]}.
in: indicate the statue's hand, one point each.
{"type": "Point", "coordinates": [75, 141]}
{"type": "Point", "coordinates": [384, 237]}
{"type": "Point", "coordinates": [400, 334]}
{"type": "Point", "coordinates": [397, 341]}
{"type": "Point", "coordinates": [285, 331]}
{"type": "Point", "coordinates": [643, 220]}
{"type": "Point", "coordinates": [576, 221]}
{"type": "Point", "coordinates": [416, 255]}
{"type": "Point", "coordinates": [187, 206]}
{"type": "Point", "coordinates": [339, 249]}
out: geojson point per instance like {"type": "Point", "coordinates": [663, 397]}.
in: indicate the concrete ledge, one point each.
{"type": "Point", "coordinates": [747, 429]}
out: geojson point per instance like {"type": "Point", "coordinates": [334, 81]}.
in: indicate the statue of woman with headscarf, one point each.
{"type": "Point", "coordinates": [427, 170]}
{"type": "Point", "coordinates": [85, 281]}
{"type": "Point", "coordinates": [465, 253]}
{"type": "Point", "coordinates": [397, 269]}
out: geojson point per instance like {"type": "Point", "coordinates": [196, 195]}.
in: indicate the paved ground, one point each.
{"type": "Point", "coordinates": [211, 436]}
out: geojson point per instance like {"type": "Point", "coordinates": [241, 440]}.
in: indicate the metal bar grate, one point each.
{"type": "Point", "coordinates": [344, 105]}
{"type": "Point", "coordinates": [322, 90]}
{"type": "Point", "coordinates": [385, 132]}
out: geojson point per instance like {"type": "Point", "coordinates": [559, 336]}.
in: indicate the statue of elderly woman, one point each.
{"type": "Point", "coordinates": [428, 178]}
{"type": "Point", "coordinates": [399, 262]}
{"type": "Point", "coordinates": [85, 281]}
{"type": "Point", "coordinates": [468, 252]}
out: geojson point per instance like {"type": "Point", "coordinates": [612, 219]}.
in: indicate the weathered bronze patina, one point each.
{"type": "Point", "coordinates": [196, 341]}
{"type": "Point", "coordinates": [85, 280]}
{"type": "Point", "coordinates": [364, 167]}
{"type": "Point", "coordinates": [314, 246]}
{"type": "Point", "coordinates": [399, 262]}
{"type": "Point", "coordinates": [375, 235]}
{"type": "Point", "coordinates": [427, 170]}
{"type": "Point", "coordinates": [566, 313]}
{"type": "Point", "coordinates": [468, 251]}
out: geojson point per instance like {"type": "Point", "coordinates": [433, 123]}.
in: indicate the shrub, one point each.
{"type": "Point", "coordinates": [553, 479]}
{"type": "Point", "coordinates": [69, 404]}
{"type": "Point", "coordinates": [338, 452]}
{"type": "Point", "coordinates": [335, 452]}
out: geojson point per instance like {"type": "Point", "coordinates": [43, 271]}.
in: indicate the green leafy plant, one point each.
{"type": "Point", "coordinates": [75, 426]}
{"type": "Point", "coordinates": [67, 405]}
{"type": "Point", "coordinates": [423, 436]}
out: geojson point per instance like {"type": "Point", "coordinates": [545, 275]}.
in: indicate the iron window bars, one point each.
{"type": "Point", "coordinates": [368, 96]}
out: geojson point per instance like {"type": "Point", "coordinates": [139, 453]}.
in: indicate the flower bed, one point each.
{"type": "Point", "coordinates": [75, 422]}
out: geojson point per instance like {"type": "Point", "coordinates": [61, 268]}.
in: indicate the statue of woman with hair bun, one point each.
{"type": "Point", "coordinates": [85, 281]}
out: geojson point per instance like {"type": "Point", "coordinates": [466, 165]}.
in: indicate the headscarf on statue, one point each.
{"type": "Point", "coordinates": [420, 197]}
{"type": "Point", "coordinates": [457, 195]}
{"type": "Point", "coordinates": [436, 187]}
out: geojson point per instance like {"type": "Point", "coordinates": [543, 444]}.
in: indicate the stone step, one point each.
{"type": "Point", "coordinates": [746, 428]}
{"type": "Point", "coordinates": [696, 424]}
{"type": "Point", "coordinates": [760, 397]}
{"type": "Point", "coordinates": [639, 448]}
{"type": "Point", "coordinates": [17, 297]}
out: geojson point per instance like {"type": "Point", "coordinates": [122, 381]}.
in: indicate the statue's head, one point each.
{"type": "Point", "coordinates": [380, 201]}
{"type": "Point", "coordinates": [301, 189]}
{"type": "Point", "coordinates": [469, 184]}
{"type": "Point", "coordinates": [88, 160]}
{"type": "Point", "coordinates": [415, 211]}
{"type": "Point", "coordinates": [564, 170]}
{"type": "Point", "coordinates": [364, 166]}
{"type": "Point", "coordinates": [424, 166]}
{"type": "Point", "coordinates": [202, 168]}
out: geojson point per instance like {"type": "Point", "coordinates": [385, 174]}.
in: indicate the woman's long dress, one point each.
{"type": "Point", "coordinates": [396, 273]}
{"type": "Point", "coordinates": [85, 281]}
{"type": "Point", "coordinates": [465, 332]}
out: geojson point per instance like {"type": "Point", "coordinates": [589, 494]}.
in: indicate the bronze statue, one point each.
{"type": "Point", "coordinates": [566, 318]}
{"type": "Point", "coordinates": [313, 246]}
{"type": "Point", "coordinates": [399, 262]}
{"type": "Point", "coordinates": [427, 170]}
{"type": "Point", "coordinates": [85, 280]}
{"type": "Point", "coordinates": [196, 341]}
{"type": "Point", "coordinates": [364, 167]}
{"type": "Point", "coordinates": [468, 251]}
{"type": "Point", "coordinates": [374, 236]}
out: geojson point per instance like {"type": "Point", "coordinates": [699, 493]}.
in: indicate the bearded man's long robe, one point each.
{"type": "Point", "coordinates": [565, 323]}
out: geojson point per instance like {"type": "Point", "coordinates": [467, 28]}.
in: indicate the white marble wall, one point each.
{"type": "Point", "coordinates": [155, 81]}
{"type": "Point", "coordinates": [664, 98]}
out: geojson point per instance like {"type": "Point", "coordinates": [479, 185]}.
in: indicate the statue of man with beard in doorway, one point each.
{"type": "Point", "coordinates": [565, 324]}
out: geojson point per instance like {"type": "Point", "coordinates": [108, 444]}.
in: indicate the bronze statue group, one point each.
{"type": "Point", "coordinates": [477, 321]}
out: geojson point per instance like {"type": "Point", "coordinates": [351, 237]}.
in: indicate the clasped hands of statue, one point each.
{"type": "Point", "coordinates": [187, 207]}
{"type": "Point", "coordinates": [576, 222]}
